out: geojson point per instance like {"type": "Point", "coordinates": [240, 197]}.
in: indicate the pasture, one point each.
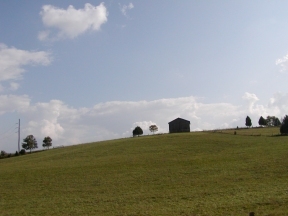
{"type": "Point", "coordinates": [199, 173]}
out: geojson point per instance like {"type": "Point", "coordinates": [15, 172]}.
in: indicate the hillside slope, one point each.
{"type": "Point", "coordinates": [174, 174]}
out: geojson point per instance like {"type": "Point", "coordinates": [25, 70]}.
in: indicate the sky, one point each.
{"type": "Point", "coordinates": [85, 71]}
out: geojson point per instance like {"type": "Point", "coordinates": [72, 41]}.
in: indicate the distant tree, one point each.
{"type": "Point", "coordinates": [270, 120]}
{"type": "Point", "coordinates": [16, 153]}
{"type": "Point", "coordinates": [22, 152]}
{"type": "Point", "coordinates": [3, 153]}
{"type": "Point", "coordinates": [137, 131]}
{"type": "Point", "coordinates": [153, 128]}
{"type": "Point", "coordinates": [47, 142]}
{"type": "Point", "coordinates": [284, 125]}
{"type": "Point", "coordinates": [273, 121]}
{"type": "Point", "coordinates": [29, 143]}
{"type": "Point", "coordinates": [248, 122]}
{"type": "Point", "coordinates": [277, 122]}
{"type": "Point", "coordinates": [262, 121]}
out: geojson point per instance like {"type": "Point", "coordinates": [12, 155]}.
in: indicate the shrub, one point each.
{"type": "Point", "coordinates": [22, 152]}
{"type": "Point", "coordinates": [284, 126]}
{"type": "Point", "coordinates": [16, 153]}
{"type": "Point", "coordinates": [3, 153]}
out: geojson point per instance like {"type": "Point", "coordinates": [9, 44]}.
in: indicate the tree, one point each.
{"type": "Point", "coordinates": [277, 122]}
{"type": "Point", "coordinates": [273, 121]}
{"type": "Point", "coordinates": [22, 152]}
{"type": "Point", "coordinates": [47, 142]}
{"type": "Point", "coordinates": [284, 125]}
{"type": "Point", "coordinates": [3, 153]}
{"type": "Point", "coordinates": [29, 143]}
{"type": "Point", "coordinates": [153, 128]}
{"type": "Point", "coordinates": [248, 122]}
{"type": "Point", "coordinates": [137, 131]}
{"type": "Point", "coordinates": [262, 121]}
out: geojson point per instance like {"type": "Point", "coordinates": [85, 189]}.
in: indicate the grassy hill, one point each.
{"type": "Point", "coordinates": [201, 173]}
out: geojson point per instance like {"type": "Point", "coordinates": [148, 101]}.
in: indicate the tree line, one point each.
{"type": "Point", "coordinates": [271, 121]}
{"type": "Point", "coordinates": [138, 130]}
{"type": "Point", "coordinates": [29, 143]}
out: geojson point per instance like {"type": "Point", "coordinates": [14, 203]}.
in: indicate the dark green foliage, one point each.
{"type": "Point", "coordinates": [29, 143]}
{"type": "Point", "coordinates": [16, 153]}
{"type": "Point", "coordinates": [47, 142]}
{"type": "Point", "coordinates": [137, 131]}
{"type": "Point", "coordinates": [262, 121]}
{"type": "Point", "coordinates": [277, 122]}
{"type": "Point", "coordinates": [284, 126]}
{"type": "Point", "coordinates": [248, 122]}
{"type": "Point", "coordinates": [273, 121]}
{"type": "Point", "coordinates": [3, 153]}
{"type": "Point", "coordinates": [22, 152]}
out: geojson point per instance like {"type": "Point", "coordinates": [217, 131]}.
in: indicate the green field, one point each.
{"type": "Point", "coordinates": [199, 173]}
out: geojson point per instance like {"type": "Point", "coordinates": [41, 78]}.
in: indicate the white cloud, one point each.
{"type": "Point", "coordinates": [43, 35]}
{"type": "Point", "coordinates": [14, 86]}
{"type": "Point", "coordinates": [124, 8]}
{"type": "Point", "coordinates": [251, 99]}
{"type": "Point", "coordinates": [13, 60]}
{"type": "Point", "coordinates": [71, 22]}
{"type": "Point", "coordinates": [12, 103]}
{"type": "Point", "coordinates": [67, 125]}
{"type": "Point", "coordinates": [283, 62]}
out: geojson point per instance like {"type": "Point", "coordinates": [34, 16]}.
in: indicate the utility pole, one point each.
{"type": "Point", "coordinates": [19, 136]}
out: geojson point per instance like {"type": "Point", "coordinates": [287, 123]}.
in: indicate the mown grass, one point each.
{"type": "Point", "coordinates": [174, 174]}
{"type": "Point", "coordinates": [256, 131]}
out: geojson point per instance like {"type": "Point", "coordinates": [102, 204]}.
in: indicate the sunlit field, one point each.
{"type": "Point", "coordinates": [199, 173]}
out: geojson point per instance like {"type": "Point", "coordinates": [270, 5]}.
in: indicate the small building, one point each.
{"type": "Point", "coordinates": [179, 125]}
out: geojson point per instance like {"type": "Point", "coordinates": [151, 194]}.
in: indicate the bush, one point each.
{"type": "Point", "coordinates": [137, 131]}
{"type": "Point", "coordinates": [16, 153]}
{"type": "Point", "coordinates": [3, 153]}
{"type": "Point", "coordinates": [22, 152]}
{"type": "Point", "coordinates": [284, 126]}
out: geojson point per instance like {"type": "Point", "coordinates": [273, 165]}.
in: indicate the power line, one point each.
{"type": "Point", "coordinates": [19, 136]}
{"type": "Point", "coordinates": [10, 132]}
{"type": "Point", "coordinates": [12, 127]}
{"type": "Point", "coordinates": [8, 135]}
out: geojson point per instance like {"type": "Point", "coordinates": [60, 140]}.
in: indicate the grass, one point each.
{"type": "Point", "coordinates": [256, 131]}
{"type": "Point", "coordinates": [199, 173]}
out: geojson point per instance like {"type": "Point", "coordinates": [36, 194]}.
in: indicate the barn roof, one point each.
{"type": "Point", "coordinates": [179, 119]}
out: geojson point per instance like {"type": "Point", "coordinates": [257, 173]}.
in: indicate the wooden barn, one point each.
{"type": "Point", "coordinates": [179, 125]}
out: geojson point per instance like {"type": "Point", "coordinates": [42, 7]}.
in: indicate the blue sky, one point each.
{"type": "Point", "coordinates": [82, 71]}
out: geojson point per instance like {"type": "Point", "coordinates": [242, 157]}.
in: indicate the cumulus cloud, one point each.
{"type": "Point", "coordinates": [251, 99]}
{"type": "Point", "coordinates": [115, 119]}
{"type": "Point", "coordinates": [14, 86]}
{"type": "Point", "coordinates": [13, 60]}
{"type": "Point", "coordinates": [283, 63]}
{"type": "Point", "coordinates": [72, 22]}
{"type": "Point", "coordinates": [124, 8]}
{"type": "Point", "coordinates": [12, 103]}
